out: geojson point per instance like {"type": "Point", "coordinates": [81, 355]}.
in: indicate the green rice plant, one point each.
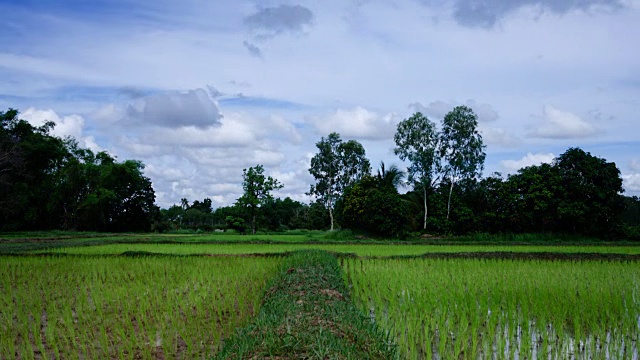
{"type": "Point", "coordinates": [376, 250]}
{"type": "Point", "coordinates": [501, 308]}
{"type": "Point", "coordinates": [126, 307]}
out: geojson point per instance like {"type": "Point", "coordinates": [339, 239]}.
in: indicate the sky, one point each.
{"type": "Point", "coordinates": [199, 90]}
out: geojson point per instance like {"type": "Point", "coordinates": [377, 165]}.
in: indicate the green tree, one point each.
{"type": "Point", "coordinates": [592, 199]}
{"type": "Point", "coordinates": [461, 147]}
{"type": "Point", "coordinates": [336, 166]}
{"type": "Point", "coordinates": [533, 193]}
{"type": "Point", "coordinates": [373, 205]}
{"type": "Point", "coordinates": [29, 158]}
{"type": "Point", "coordinates": [257, 190]}
{"type": "Point", "coordinates": [391, 177]}
{"type": "Point", "coordinates": [417, 140]}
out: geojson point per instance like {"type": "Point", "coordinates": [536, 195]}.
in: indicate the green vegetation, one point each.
{"type": "Point", "coordinates": [52, 183]}
{"type": "Point", "coordinates": [257, 191]}
{"type": "Point", "coordinates": [49, 183]}
{"type": "Point", "coordinates": [374, 250]}
{"type": "Point", "coordinates": [307, 314]}
{"type": "Point", "coordinates": [452, 308]}
{"type": "Point", "coordinates": [126, 307]}
{"type": "Point", "coordinates": [186, 295]}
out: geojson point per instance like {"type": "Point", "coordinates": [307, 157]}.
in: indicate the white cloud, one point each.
{"type": "Point", "coordinates": [558, 124]}
{"type": "Point", "coordinates": [438, 109]}
{"type": "Point", "coordinates": [358, 123]}
{"type": "Point", "coordinates": [70, 125]}
{"type": "Point", "coordinates": [634, 165]}
{"type": "Point", "coordinates": [512, 166]}
{"type": "Point", "coordinates": [631, 182]}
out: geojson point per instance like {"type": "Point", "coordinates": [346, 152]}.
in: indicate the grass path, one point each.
{"type": "Point", "coordinates": [307, 313]}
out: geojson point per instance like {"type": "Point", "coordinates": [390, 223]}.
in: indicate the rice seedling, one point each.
{"type": "Point", "coordinates": [360, 250]}
{"type": "Point", "coordinates": [481, 308]}
{"type": "Point", "coordinates": [125, 307]}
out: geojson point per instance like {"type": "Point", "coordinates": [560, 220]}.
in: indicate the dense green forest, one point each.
{"type": "Point", "coordinates": [52, 183]}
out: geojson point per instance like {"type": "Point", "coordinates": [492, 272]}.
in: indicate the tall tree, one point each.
{"type": "Point", "coordinates": [462, 147]}
{"type": "Point", "coordinates": [257, 190]}
{"type": "Point", "coordinates": [417, 141]}
{"type": "Point", "coordinates": [592, 197]}
{"type": "Point", "coordinates": [336, 166]}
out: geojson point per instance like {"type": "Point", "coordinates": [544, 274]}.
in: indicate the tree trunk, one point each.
{"type": "Point", "coordinates": [449, 202]}
{"type": "Point", "coordinates": [424, 193]}
{"type": "Point", "coordinates": [253, 221]}
{"type": "Point", "coordinates": [331, 217]}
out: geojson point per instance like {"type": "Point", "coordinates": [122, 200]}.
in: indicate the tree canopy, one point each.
{"type": "Point", "coordinates": [336, 166]}
{"type": "Point", "coordinates": [52, 183]}
{"type": "Point", "coordinates": [257, 191]}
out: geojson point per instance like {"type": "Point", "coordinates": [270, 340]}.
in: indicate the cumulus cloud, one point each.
{"type": "Point", "coordinates": [631, 182]}
{"type": "Point", "coordinates": [70, 125]}
{"type": "Point", "coordinates": [634, 165]}
{"type": "Point", "coordinates": [175, 109]}
{"type": "Point", "coordinates": [512, 166]}
{"type": "Point", "coordinates": [558, 124]}
{"type": "Point", "coordinates": [272, 21]}
{"type": "Point", "coordinates": [438, 109]}
{"type": "Point", "coordinates": [486, 13]}
{"type": "Point", "coordinates": [359, 123]}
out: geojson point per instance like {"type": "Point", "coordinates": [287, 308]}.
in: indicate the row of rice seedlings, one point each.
{"type": "Point", "coordinates": [360, 250]}
{"type": "Point", "coordinates": [146, 307]}
{"type": "Point", "coordinates": [478, 308]}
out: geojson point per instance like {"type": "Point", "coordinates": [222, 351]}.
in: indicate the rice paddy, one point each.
{"type": "Point", "coordinates": [59, 300]}
{"type": "Point", "coordinates": [126, 307]}
{"type": "Point", "coordinates": [359, 250]}
{"type": "Point", "coordinates": [478, 308]}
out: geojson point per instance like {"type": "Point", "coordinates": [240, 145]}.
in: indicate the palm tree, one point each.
{"type": "Point", "coordinates": [392, 177]}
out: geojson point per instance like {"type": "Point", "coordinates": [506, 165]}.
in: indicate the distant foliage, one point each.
{"type": "Point", "coordinates": [373, 205]}
{"type": "Point", "coordinates": [51, 183]}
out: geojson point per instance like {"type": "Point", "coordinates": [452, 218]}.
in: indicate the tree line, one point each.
{"type": "Point", "coordinates": [53, 183]}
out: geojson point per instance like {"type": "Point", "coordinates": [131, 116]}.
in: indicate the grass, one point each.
{"type": "Point", "coordinates": [307, 313]}
{"type": "Point", "coordinates": [126, 307]}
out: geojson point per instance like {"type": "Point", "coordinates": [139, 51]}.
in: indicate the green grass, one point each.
{"type": "Point", "coordinates": [360, 250]}
{"type": "Point", "coordinates": [307, 314]}
{"type": "Point", "coordinates": [479, 308]}
{"type": "Point", "coordinates": [126, 307]}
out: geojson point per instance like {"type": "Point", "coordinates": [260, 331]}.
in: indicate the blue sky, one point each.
{"type": "Point", "coordinates": [199, 90]}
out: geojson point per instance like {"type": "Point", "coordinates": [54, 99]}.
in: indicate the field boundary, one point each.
{"type": "Point", "coordinates": [307, 313]}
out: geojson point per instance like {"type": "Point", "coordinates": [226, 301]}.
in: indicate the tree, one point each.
{"type": "Point", "coordinates": [417, 141]}
{"type": "Point", "coordinates": [373, 205]}
{"type": "Point", "coordinates": [336, 166]}
{"type": "Point", "coordinates": [257, 190]}
{"type": "Point", "coordinates": [592, 198]}
{"type": "Point", "coordinates": [461, 147]}
{"type": "Point", "coordinates": [29, 158]}
{"type": "Point", "coordinates": [533, 193]}
{"type": "Point", "coordinates": [391, 178]}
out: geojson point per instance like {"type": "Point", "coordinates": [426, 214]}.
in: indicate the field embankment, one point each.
{"type": "Point", "coordinates": [308, 314]}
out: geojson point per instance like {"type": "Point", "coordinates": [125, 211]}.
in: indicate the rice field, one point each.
{"type": "Point", "coordinates": [60, 307]}
{"type": "Point", "coordinates": [93, 303]}
{"type": "Point", "coordinates": [514, 309]}
{"type": "Point", "coordinates": [360, 250]}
